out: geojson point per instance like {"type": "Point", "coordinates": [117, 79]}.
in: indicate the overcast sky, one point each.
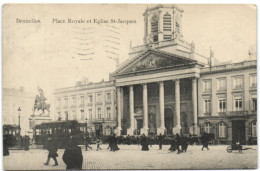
{"type": "Point", "coordinates": [44, 54]}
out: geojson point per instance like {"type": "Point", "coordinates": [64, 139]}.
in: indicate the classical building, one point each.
{"type": "Point", "coordinates": [91, 103]}
{"type": "Point", "coordinates": [166, 87]}
{"type": "Point", "coordinates": [12, 100]}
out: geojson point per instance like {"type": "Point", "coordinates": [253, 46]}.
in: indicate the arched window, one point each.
{"type": "Point", "coordinates": [207, 127]}
{"type": "Point", "coordinates": [254, 129]}
{"type": "Point", "coordinates": [167, 25]}
{"type": "Point", "coordinates": [154, 27]}
{"type": "Point", "coordinates": [222, 130]}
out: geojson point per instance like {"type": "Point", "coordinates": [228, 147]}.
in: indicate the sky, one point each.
{"type": "Point", "coordinates": [44, 54]}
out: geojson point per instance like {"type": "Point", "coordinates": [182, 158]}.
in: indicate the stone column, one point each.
{"type": "Point", "coordinates": [145, 128]}
{"type": "Point", "coordinates": [194, 128]}
{"type": "Point", "coordinates": [130, 130]}
{"type": "Point", "coordinates": [177, 127]}
{"type": "Point", "coordinates": [119, 112]}
{"type": "Point", "coordinates": [161, 130]}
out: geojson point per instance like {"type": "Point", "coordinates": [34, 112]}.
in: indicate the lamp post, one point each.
{"type": "Point", "coordinates": [19, 119]}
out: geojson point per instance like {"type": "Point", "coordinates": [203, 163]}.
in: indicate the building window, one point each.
{"type": "Point", "coordinates": [99, 113]}
{"type": "Point", "coordinates": [222, 130]}
{"type": "Point", "coordinates": [82, 114]}
{"type": "Point", "coordinates": [254, 107]}
{"type": "Point", "coordinates": [108, 98]}
{"type": "Point", "coordinates": [207, 85]}
{"type": "Point", "coordinates": [66, 115]}
{"type": "Point", "coordinates": [90, 113]}
{"type": "Point", "coordinates": [207, 127]}
{"type": "Point", "coordinates": [207, 107]}
{"type": "Point", "coordinates": [108, 113]}
{"type": "Point", "coordinates": [222, 105]}
{"type": "Point", "coordinates": [59, 114]}
{"type": "Point", "coordinates": [90, 98]}
{"type": "Point", "coordinates": [82, 99]}
{"type": "Point", "coordinates": [74, 115]}
{"type": "Point", "coordinates": [59, 102]}
{"type": "Point", "coordinates": [238, 104]}
{"type": "Point", "coordinates": [254, 129]}
{"type": "Point", "coordinates": [99, 99]}
{"type": "Point", "coordinates": [74, 100]}
{"type": "Point", "coordinates": [237, 82]}
{"type": "Point", "coordinates": [221, 84]}
{"type": "Point", "coordinates": [167, 25]}
{"type": "Point", "coordinates": [253, 80]}
{"type": "Point", "coordinates": [66, 101]}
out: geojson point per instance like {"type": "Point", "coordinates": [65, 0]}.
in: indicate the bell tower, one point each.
{"type": "Point", "coordinates": [162, 23]}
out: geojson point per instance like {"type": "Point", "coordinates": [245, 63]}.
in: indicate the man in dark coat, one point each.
{"type": "Point", "coordinates": [160, 141]}
{"type": "Point", "coordinates": [144, 143]}
{"type": "Point", "coordinates": [113, 142]}
{"type": "Point", "coordinates": [72, 156]}
{"type": "Point", "coordinates": [88, 141]}
{"type": "Point", "coordinates": [173, 144]}
{"type": "Point", "coordinates": [5, 145]}
{"type": "Point", "coordinates": [204, 140]}
{"type": "Point", "coordinates": [184, 143]}
{"type": "Point", "coordinates": [178, 142]}
{"type": "Point", "coordinates": [26, 142]}
{"type": "Point", "coordinates": [52, 148]}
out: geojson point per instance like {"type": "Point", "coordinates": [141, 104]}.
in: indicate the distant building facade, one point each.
{"type": "Point", "coordinates": [228, 101]}
{"type": "Point", "coordinates": [12, 100]}
{"type": "Point", "coordinates": [91, 103]}
{"type": "Point", "coordinates": [167, 87]}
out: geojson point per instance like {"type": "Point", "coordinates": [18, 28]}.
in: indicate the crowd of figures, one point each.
{"type": "Point", "coordinates": [73, 157]}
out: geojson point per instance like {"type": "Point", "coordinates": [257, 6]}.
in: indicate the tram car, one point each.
{"type": "Point", "coordinates": [11, 135]}
{"type": "Point", "coordinates": [60, 132]}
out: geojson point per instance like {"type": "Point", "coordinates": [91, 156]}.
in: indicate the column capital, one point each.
{"type": "Point", "coordinates": [144, 84]}
{"type": "Point", "coordinates": [194, 78]}
{"type": "Point", "coordinates": [160, 82]}
{"type": "Point", "coordinates": [176, 80]}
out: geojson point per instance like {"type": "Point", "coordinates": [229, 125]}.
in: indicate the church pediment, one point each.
{"type": "Point", "coordinates": [153, 60]}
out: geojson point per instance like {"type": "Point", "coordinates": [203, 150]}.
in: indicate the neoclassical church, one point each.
{"type": "Point", "coordinates": [166, 87]}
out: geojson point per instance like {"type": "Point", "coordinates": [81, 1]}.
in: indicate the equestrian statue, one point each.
{"type": "Point", "coordinates": [40, 104]}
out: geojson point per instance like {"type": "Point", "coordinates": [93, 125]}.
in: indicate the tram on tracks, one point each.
{"type": "Point", "coordinates": [11, 134]}
{"type": "Point", "coordinates": [60, 131]}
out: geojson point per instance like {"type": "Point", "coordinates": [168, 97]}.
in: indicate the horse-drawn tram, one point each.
{"type": "Point", "coordinates": [60, 131]}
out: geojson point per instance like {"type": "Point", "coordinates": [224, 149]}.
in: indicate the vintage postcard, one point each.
{"type": "Point", "coordinates": [129, 86]}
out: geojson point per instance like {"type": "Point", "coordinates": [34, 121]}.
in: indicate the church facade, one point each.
{"type": "Point", "coordinates": [166, 87]}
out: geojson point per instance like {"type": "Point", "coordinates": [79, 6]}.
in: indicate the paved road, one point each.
{"type": "Point", "coordinates": [131, 157]}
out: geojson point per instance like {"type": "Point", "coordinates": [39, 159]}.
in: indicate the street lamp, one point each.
{"type": "Point", "coordinates": [19, 118]}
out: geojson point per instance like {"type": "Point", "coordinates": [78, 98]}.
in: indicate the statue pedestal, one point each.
{"type": "Point", "coordinates": [38, 119]}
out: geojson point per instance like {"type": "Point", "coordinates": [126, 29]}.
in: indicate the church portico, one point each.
{"type": "Point", "coordinates": [163, 107]}
{"type": "Point", "coordinates": [150, 83]}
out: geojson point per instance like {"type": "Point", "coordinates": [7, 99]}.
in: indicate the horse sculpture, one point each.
{"type": "Point", "coordinates": [40, 104]}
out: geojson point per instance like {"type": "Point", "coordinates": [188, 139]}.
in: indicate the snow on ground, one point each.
{"type": "Point", "coordinates": [131, 157]}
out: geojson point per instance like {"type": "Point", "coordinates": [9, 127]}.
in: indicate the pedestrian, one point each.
{"type": "Point", "coordinates": [88, 141]}
{"type": "Point", "coordinates": [144, 143]}
{"type": "Point", "coordinates": [52, 148]}
{"type": "Point", "coordinates": [173, 144]}
{"type": "Point", "coordinates": [204, 140]}
{"type": "Point", "coordinates": [114, 146]}
{"type": "Point", "coordinates": [72, 156]}
{"type": "Point", "coordinates": [160, 141]}
{"type": "Point", "coordinates": [26, 142]}
{"type": "Point", "coordinates": [99, 142]}
{"type": "Point", "coordinates": [184, 143]}
{"type": "Point", "coordinates": [5, 145]}
{"type": "Point", "coordinates": [178, 142]}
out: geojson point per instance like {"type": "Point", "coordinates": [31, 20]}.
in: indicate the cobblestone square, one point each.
{"type": "Point", "coordinates": [131, 157]}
